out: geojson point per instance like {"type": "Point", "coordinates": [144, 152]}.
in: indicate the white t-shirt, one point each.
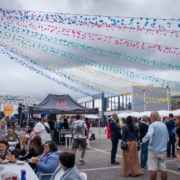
{"type": "Point", "coordinates": [39, 128]}
{"type": "Point", "coordinates": [59, 174]}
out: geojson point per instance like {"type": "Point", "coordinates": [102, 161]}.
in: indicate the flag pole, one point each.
{"type": "Point", "coordinates": [167, 86]}
{"type": "Point", "coordinates": [144, 91]}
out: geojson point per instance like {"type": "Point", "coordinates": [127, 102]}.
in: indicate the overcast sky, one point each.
{"type": "Point", "coordinates": [18, 80]}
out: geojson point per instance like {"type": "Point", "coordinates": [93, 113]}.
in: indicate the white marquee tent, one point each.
{"type": "Point", "coordinates": [162, 113]}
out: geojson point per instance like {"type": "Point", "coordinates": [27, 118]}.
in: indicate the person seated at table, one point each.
{"type": "Point", "coordinates": [48, 161]}
{"type": "Point", "coordinates": [36, 150]}
{"type": "Point", "coordinates": [65, 124]}
{"type": "Point", "coordinates": [18, 131]}
{"type": "Point", "coordinates": [11, 137]}
{"type": "Point", "coordinates": [21, 147]}
{"type": "Point", "coordinates": [67, 169]}
{"type": "Point", "coordinates": [31, 136]}
{"type": "Point", "coordinates": [3, 129]}
{"type": "Point", "coordinates": [4, 146]}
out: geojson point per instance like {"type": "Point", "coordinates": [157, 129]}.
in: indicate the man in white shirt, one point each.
{"type": "Point", "coordinates": [40, 129]}
{"type": "Point", "coordinates": [78, 134]}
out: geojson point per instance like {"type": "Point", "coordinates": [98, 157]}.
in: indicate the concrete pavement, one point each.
{"type": "Point", "coordinates": [97, 161]}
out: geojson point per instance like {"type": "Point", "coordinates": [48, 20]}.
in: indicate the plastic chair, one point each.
{"type": "Point", "coordinates": [45, 174]}
{"type": "Point", "coordinates": [83, 175]}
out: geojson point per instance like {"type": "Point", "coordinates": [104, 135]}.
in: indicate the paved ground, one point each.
{"type": "Point", "coordinates": [98, 167]}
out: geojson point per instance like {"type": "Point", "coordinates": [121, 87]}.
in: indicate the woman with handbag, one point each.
{"type": "Point", "coordinates": [130, 147]}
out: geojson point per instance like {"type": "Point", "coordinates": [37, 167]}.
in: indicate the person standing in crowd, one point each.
{"type": "Point", "coordinates": [178, 142]}
{"type": "Point", "coordinates": [22, 116]}
{"type": "Point", "coordinates": [115, 134]}
{"type": "Point", "coordinates": [52, 126]}
{"type": "Point", "coordinates": [41, 129]}
{"type": "Point", "coordinates": [58, 124]}
{"type": "Point", "coordinates": [19, 113]}
{"type": "Point", "coordinates": [108, 129]}
{"type": "Point", "coordinates": [158, 138]}
{"type": "Point", "coordinates": [78, 135]}
{"type": "Point", "coordinates": [87, 123]}
{"type": "Point", "coordinates": [130, 160]}
{"type": "Point", "coordinates": [143, 129]}
{"type": "Point", "coordinates": [3, 129]}
{"type": "Point", "coordinates": [172, 140]}
{"type": "Point", "coordinates": [65, 124]}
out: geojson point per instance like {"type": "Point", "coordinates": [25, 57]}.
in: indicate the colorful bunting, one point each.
{"type": "Point", "coordinates": [76, 79]}
{"type": "Point", "coordinates": [80, 34]}
{"type": "Point", "coordinates": [92, 71]}
{"type": "Point", "coordinates": [93, 20]}
{"type": "Point", "coordinates": [4, 50]}
{"type": "Point", "coordinates": [85, 61]}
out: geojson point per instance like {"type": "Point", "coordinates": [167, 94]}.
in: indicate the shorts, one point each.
{"type": "Point", "coordinates": [77, 142]}
{"type": "Point", "coordinates": [156, 161]}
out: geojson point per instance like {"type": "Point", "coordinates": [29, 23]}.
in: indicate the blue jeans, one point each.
{"type": "Point", "coordinates": [172, 141]}
{"type": "Point", "coordinates": [144, 154]}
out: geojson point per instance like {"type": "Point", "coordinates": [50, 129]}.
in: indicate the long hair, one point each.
{"type": "Point", "coordinates": [129, 122]}
{"type": "Point", "coordinates": [36, 144]}
{"type": "Point", "coordinates": [22, 142]}
{"type": "Point", "coordinates": [2, 124]}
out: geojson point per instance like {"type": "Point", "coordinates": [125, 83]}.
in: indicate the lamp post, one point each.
{"type": "Point", "coordinates": [144, 91]}
{"type": "Point", "coordinates": [168, 92]}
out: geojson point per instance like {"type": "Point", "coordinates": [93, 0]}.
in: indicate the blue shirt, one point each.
{"type": "Point", "coordinates": [157, 136]}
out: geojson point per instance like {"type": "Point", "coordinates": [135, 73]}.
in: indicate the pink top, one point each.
{"type": "Point", "coordinates": [32, 135]}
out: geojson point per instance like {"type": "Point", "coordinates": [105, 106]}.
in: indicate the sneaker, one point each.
{"type": "Point", "coordinates": [81, 161]}
{"type": "Point", "coordinates": [144, 167]}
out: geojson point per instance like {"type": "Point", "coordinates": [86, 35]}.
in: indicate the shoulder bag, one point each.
{"type": "Point", "coordinates": [124, 145]}
{"type": "Point", "coordinates": [47, 129]}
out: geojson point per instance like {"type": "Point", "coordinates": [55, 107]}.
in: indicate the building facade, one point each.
{"type": "Point", "coordinates": [133, 98]}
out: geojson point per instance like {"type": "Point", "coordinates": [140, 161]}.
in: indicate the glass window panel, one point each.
{"type": "Point", "coordinates": [109, 99]}
{"type": "Point", "coordinates": [125, 101]}
{"type": "Point", "coordinates": [121, 102]}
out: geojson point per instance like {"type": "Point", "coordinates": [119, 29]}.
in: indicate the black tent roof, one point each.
{"type": "Point", "coordinates": [61, 104]}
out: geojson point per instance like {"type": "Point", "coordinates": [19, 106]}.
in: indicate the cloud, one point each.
{"type": "Point", "coordinates": [17, 80]}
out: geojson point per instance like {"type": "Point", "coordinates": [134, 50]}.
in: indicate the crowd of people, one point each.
{"type": "Point", "coordinates": [42, 154]}
{"type": "Point", "coordinates": [155, 138]}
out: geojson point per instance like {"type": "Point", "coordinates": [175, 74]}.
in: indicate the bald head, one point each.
{"type": "Point", "coordinates": [115, 117]}
{"type": "Point", "coordinates": [154, 116]}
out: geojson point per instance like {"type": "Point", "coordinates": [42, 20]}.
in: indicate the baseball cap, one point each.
{"type": "Point", "coordinates": [43, 114]}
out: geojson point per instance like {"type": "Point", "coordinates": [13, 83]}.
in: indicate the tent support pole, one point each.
{"type": "Point", "coordinates": [99, 130]}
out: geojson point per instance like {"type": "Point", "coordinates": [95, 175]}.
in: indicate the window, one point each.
{"type": "Point", "coordinates": [98, 104]}
{"type": "Point", "coordinates": [89, 104]}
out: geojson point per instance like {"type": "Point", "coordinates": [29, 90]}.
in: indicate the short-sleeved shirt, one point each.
{"type": "Point", "coordinates": [79, 128]}
{"type": "Point", "coordinates": [39, 128]}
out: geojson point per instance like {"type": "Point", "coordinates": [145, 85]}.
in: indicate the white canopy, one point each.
{"type": "Point", "coordinates": [92, 116]}
{"type": "Point", "coordinates": [162, 113]}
